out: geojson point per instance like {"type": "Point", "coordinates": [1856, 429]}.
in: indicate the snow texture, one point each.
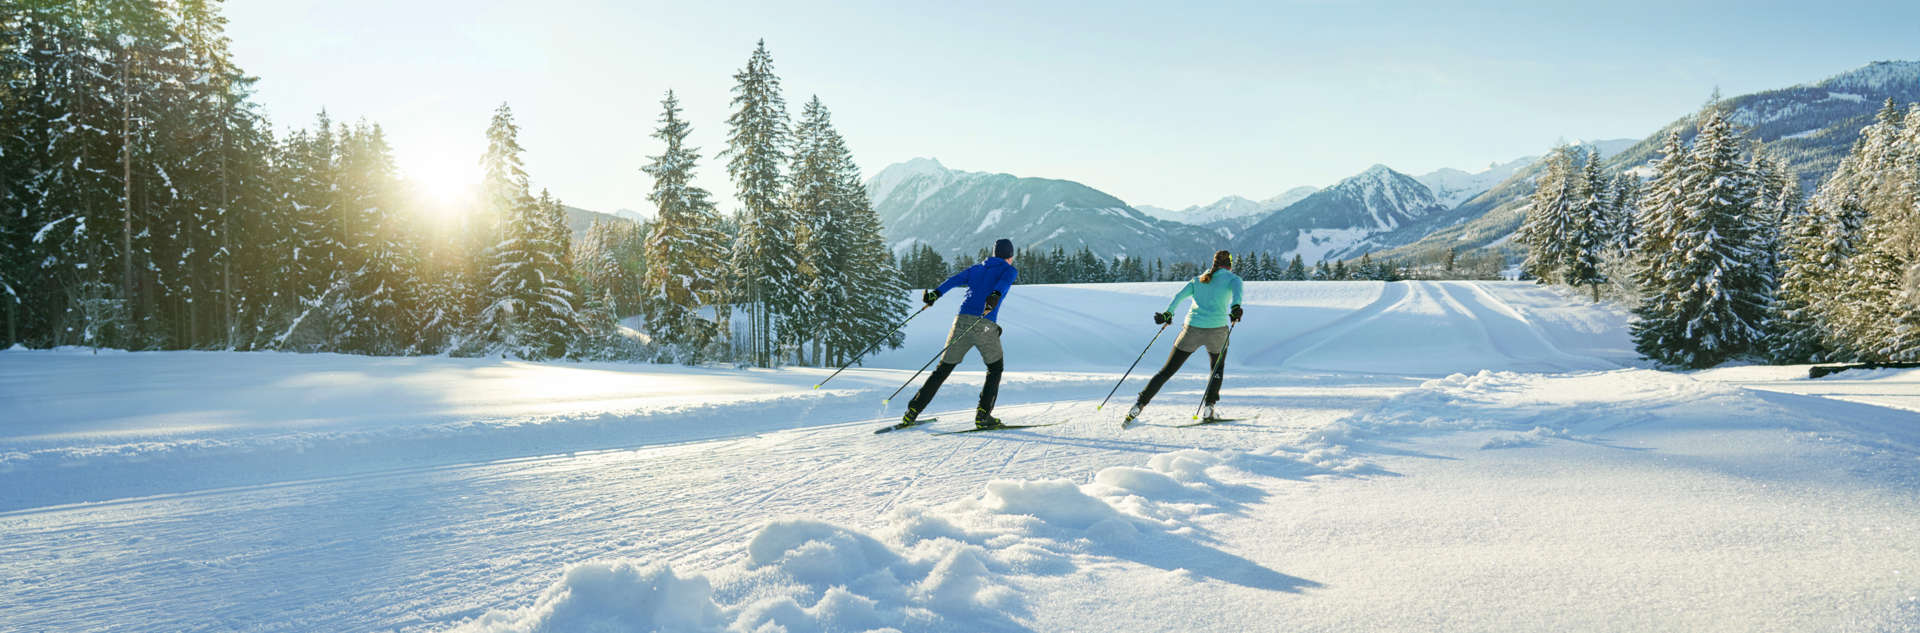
{"type": "Point", "coordinates": [1410, 456]}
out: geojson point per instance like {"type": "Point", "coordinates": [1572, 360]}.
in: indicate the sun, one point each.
{"type": "Point", "coordinates": [443, 183]}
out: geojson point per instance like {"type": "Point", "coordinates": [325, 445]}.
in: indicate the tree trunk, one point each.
{"type": "Point", "coordinates": [226, 230]}
{"type": "Point", "coordinates": [126, 183]}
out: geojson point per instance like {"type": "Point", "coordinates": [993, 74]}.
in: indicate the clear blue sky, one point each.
{"type": "Point", "coordinates": [1156, 103]}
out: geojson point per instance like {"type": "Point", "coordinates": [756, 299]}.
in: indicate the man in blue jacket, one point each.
{"type": "Point", "coordinates": [977, 325]}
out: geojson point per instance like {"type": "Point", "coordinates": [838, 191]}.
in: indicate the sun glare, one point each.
{"type": "Point", "coordinates": [443, 184]}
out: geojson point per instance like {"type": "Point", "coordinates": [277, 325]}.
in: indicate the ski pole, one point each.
{"type": "Point", "coordinates": [943, 352]}
{"type": "Point", "coordinates": [876, 343]}
{"type": "Point", "coordinates": [1216, 368]}
{"type": "Point", "coordinates": [1136, 363]}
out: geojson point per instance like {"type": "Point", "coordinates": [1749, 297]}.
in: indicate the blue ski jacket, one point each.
{"type": "Point", "coordinates": [983, 279]}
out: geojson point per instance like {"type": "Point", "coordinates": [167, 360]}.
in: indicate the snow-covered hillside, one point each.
{"type": "Point", "coordinates": [1410, 456]}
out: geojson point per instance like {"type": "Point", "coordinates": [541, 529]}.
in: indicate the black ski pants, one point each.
{"type": "Point", "coordinates": [1174, 361]}
{"type": "Point", "coordinates": [988, 392]}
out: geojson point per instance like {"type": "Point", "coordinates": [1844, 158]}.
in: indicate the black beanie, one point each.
{"type": "Point", "coordinates": [1003, 248]}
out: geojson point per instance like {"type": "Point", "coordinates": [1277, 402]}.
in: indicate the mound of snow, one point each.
{"type": "Point", "coordinates": [612, 596]}
{"type": "Point", "coordinates": [954, 567]}
{"type": "Point", "coordinates": [1057, 502]}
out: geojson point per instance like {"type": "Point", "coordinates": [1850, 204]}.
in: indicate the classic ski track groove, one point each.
{"type": "Point", "coordinates": [1494, 301]}
{"type": "Point", "coordinates": [1391, 295]}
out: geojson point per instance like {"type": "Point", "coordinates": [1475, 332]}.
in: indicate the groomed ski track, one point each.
{"type": "Point", "coordinates": [1372, 492]}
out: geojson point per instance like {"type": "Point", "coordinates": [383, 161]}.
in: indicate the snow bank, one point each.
{"type": "Point", "coordinates": [1535, 437]}
{"type": "Point", "coordinates": [957, 567]}
{"type": "Point", "coordinates": [613, 596]}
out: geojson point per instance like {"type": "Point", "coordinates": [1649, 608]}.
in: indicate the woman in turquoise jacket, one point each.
{"type": "Point", "coordinates": [1216, 304]}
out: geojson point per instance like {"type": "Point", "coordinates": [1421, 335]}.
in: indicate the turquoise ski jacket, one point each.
{"type": "Point", "coordinates": [1211, 301]}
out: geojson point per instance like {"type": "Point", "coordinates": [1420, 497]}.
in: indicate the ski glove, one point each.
{"type": "Point", "coordinates": [930, 296]}
{"type": "Point", "coordinates": [993, 301]}
{"type": "Point", "coordinates": [1235, 314]}
{"type": "Point", "coordinates": [1162, 318]}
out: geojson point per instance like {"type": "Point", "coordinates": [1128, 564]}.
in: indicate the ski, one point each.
{"type": "Point", "coordinates": [896, 427]}
{"type": "Point", "coordinates": [1216, 421]}
{"type": "Point", "coordinates": [1002, 427]}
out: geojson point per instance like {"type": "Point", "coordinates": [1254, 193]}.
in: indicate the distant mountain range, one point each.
{"type": "Point", "coordinates": [923, 202]}
{"type": "Point", "coordinates": [1812, 126]}
{"type": "Point", "coordinates": [1379, 210]}
{"type": "Point", "coordinates": [1232, 213]}
{"type": "Point", "coordinates": [960, 212]}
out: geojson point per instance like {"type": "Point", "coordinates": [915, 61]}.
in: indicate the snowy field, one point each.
{"type": "Point", "coordinates": [1414, 456]}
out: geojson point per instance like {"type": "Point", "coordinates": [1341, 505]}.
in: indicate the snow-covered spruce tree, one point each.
{"type": "Point", "coordinates": [310, 177]}
{"type": "Point", "coordinates": [1623, 216]}
{"type": "Point", "coordinates": [373, 314]}
{"type": "Point", "coordinates": [1794, 331]}
{"type": "Point", "coordinates": [1712, 296]}
{"type": "Point", "coordinates": [530, 310]}
{"type": "Point", "coordinates": [877, 298]}
{"type": "Point", "coordinates": [687, 257]}
{"type": "Point", "coordinates": [555, 317]}
{"type": "Point", "coordinates": [58, 176]}
{"type": "Point", "coordinates": [766, 262]}
{"type": "Point", "coordinates": [821, 234]}
{"type": "Point", "coordinates": [1874, 315]}
{"type": "Point", "coordinates": [1588, 238]}
{"type": "Point", "coordinates": [609, 260]}
{"type": "Point", "coordinates": [1660, 204]}
{"type": "Point", "coordinates": [1296, 269]}
{"type": "Point", "coordinates": [1550, 225]}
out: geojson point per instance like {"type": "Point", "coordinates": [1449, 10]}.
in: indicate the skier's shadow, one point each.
{"type": "Point", "coordinates": [1187, 556]}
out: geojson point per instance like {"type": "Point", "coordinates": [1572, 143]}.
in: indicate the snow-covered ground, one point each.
{"type": "Point", "coordinates": [1414, 456]}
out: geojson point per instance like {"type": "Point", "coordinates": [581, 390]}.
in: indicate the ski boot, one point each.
{"type": "Point", "coordinates": [1132, 414]}
{"type": "Point", "coordinates": [907, 420]}
{"type": "Point", "coordinates": [1207, 415]}
{"type": "Point", "coordinates": [986, 420]}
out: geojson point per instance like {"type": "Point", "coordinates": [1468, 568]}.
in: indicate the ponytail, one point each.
{"type": "Point", "coordinates": [1221, 260]}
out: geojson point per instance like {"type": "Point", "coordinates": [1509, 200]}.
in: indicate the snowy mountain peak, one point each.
{"type": "Point", "coordinates": [883, 184]}
{"type": "Point", "coordinates": [1452, 186]}
{"type": "Point", "coordinates": [1378, 178]}
{"type": "Point", "coordinates": [1289, 197]}
{"type": "Point", "coordinates": [1335, 222]}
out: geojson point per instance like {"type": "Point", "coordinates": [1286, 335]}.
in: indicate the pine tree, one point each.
{"type": "Point", "coordinates": [372, 314]}
{"type": "Point", "coordinates": [1710, 299]}
{"type": "Point", "coordinates": [687, 254]}
{"type": "Point", "coordinates": [609, 260]}
{"type": "Point", "coordinates": [813, 181]}
{"type": "Point", "coordinates": [876, 292]}
{"type": "Point", "coordinates": [765, 259]}
{"type": "Point", "coordinates": [1622, 217]}
{"type": "Point", "coordinates": [530, 312]}
{"type": "Point", "coordinates": [1875, 313]}
{"type": "Point", "coordinates": [1588, 238]}
{"type": "Point", "coordinates": [1549, 231]}
{"type": "Point", "coordinates": [1296, 269]}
